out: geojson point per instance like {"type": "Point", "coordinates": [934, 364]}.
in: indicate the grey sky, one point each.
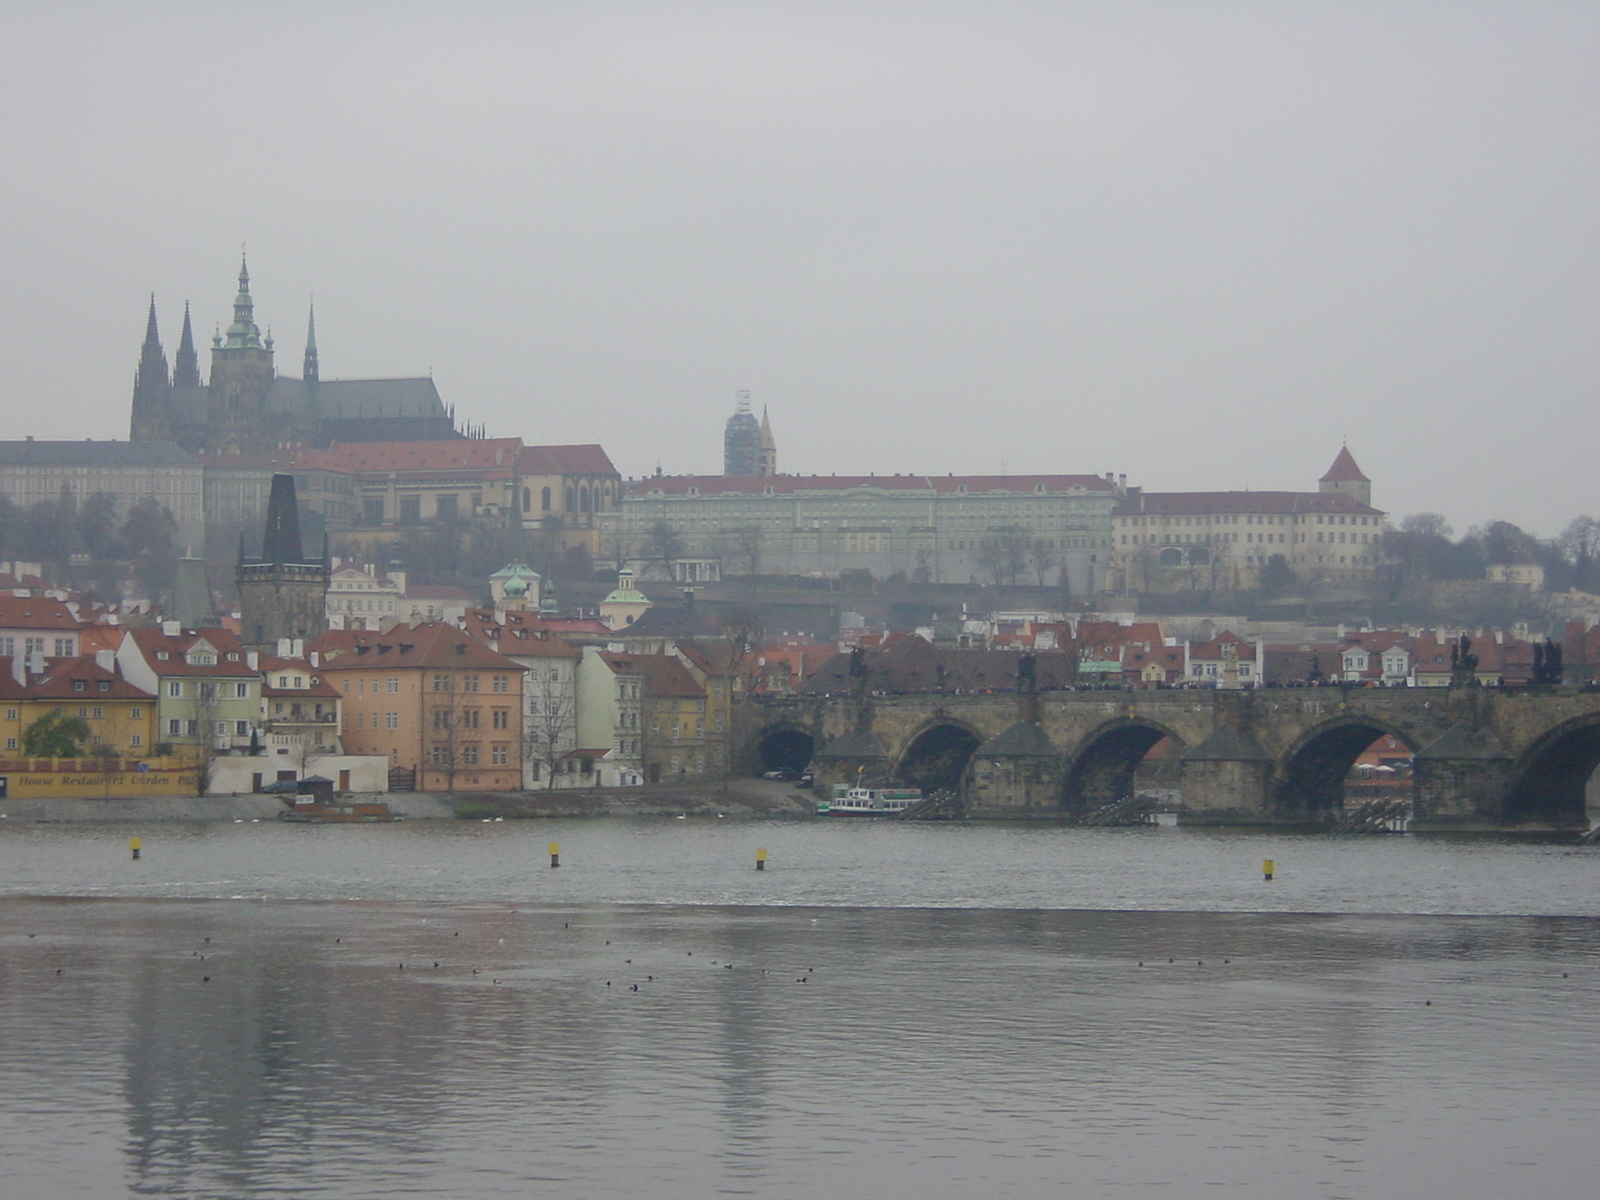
{"type": "Point", "coordinates": [1196, 243]}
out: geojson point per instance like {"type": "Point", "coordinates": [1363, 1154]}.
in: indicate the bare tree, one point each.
{"type": "Point", "coordinates": [550, 719]}
{"type": "Point", "coordinates": [664, 546]}
{"type": "Point", "coordinates": [1580, 545]}
{"type": "Point", "coordinates": [1042, 558]}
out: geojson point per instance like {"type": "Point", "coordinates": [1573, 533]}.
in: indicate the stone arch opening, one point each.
{"type": "Point", "coordinates": [1319, 778]}
{"type": "Point", "coordinates": [1105, 769]}
{"type": "Point", "coordinates": [1552, 778]}
{"type": "Point", "coordinates": [936, 759]}
{"type": "Point", "coordinates": [784, 749]}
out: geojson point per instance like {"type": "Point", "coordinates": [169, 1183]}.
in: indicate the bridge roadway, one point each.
{"type": "Point", "coordinates": [1486, 759]}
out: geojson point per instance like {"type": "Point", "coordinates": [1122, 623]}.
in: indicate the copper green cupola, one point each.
{"type": "Point", "coordinates": [243, 333]}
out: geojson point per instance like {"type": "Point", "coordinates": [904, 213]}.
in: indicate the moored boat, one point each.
{"type": "Point", "coordinates": [871, 802]}
{"type": "Point", "coordinates": [311, 811]}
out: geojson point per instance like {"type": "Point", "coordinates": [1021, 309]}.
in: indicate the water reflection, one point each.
{"type": "Point", "coordinates": [787, 1052]}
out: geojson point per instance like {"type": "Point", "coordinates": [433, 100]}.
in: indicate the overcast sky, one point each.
{"type": "Point", "coordinates": [1200, 244]}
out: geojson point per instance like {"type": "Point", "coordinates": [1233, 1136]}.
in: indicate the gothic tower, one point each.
{"type": "Point", "coordinates": [769, 446]}
{"type": "Point", "coordinates": [241, 375]}
{"type": "Point", "coordinates": [152, 388]}
{"type": "Point", "coordinates": [282, 594]}
{"type": "Point", "coordinates": [741, 441]}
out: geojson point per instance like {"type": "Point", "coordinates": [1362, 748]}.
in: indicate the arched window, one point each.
{"type": "Point", "coordinates": [544, 500]}
{"type": "Point", "coordinates": [571, 499]}
{"type": "Point", "coordinates": [583, 499]}
{"type": "Point", "coordinates": [527, 499]}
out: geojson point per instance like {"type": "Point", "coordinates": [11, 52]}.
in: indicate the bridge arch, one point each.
{"type": "Point", "coordinates": [935, 758]}
{"type": "Point", "coordinates": [1101, 769]}
{"type": "Point", "coordinates": [783, 746]}
{"type": "Point", "coordinates": [1309, 779]}
{"type": "Point", "coordinates": [1550, 778]}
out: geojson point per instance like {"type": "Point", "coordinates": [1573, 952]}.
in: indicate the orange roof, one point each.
{"type": "Point", "coordinates": [57, 683]}
{"type": "Point", "coordinates": [521, 633]}
{"type": "Point", "coordinates": [432, 644]}
{"type": "Point", "coordinates": [35, 612]}
{"type": "Point", "coordinates": [153, 645]}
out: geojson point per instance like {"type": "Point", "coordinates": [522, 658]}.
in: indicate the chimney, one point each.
{"type": "Point", "coordinates": [282, 650]}
{"type": "Point", "coordinates": [316, 658]}
{"type": "Point", "coordinates": [252, 659]}
{"type": "Point", "coordinates": [297, 648]}
{"type": "Point", "coordinates": [106, 660]}
{"type": "Point", "coordinates": [170, 629]}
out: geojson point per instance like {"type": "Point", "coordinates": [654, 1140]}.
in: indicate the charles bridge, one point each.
{"type": "Point", "coordinates": [1483, 758]}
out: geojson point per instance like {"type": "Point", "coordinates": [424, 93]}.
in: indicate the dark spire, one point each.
{"type": "Point", "coordinates": [311, 371]}
{"type": "Point", "coordinates": [281, 542]}
{"type": "Point", "coordinates": [186, 370]}
{"type": "Point", "coordinates": [152, 386]}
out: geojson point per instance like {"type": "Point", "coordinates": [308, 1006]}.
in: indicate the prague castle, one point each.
{"type": "Point", "coordinates": [246, 407]}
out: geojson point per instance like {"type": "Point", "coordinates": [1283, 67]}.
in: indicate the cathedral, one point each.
{"type": "Point", "coordinates": [246, 407]}
{"type": "Point", "coordinates": [748, 448]}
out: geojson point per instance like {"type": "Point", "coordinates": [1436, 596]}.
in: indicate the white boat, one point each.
{"type": "Point", "coordinates": [872, 802]}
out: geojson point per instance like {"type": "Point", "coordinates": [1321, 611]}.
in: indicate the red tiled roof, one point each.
{"type": "Point", "coordinates": [564, 460]}
{"type": "Point", "coordinates": [35, 612]}
{"type": "Point", "coordinates": [461, 454]}
{"type": "Point", "coordinates": [1344, 469]}
{"type": "Point", "coordinates": [152, 643]}
{"type": "Point", "coordinates": [712, 485]}
{"type": "Point", "coordinates": [57, 682]}
{"type": "Point", "coordinates": [432, 644]}
{"type": "Point", "coordinates": [1168, 504]}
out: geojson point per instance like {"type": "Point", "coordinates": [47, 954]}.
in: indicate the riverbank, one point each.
{"type": "Point", "coordinates": [740, 798]}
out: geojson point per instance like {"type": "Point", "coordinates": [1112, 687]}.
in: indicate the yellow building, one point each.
{"type": "Point", "coordinates": [121, 717]}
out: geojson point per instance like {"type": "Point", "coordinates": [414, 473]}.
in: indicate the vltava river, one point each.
{"type": "Point", "coordinates": [429, 1010]}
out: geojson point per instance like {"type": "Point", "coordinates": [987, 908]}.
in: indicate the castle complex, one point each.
{"type": "Point", "coordinates": [246, 407]}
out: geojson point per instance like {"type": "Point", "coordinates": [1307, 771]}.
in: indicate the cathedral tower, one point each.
{"type": "Point", "coordinates": [282, 594]}
{"type": "Point", "coordinates": [741, 441]}
{"type": "Point", "coordinates": [241, 376]}
{"type": "Point", "coordinates": [152, 388]}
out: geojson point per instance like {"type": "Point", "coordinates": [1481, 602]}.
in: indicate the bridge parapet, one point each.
{"type": "Point", "coordinates": [1485, 758]}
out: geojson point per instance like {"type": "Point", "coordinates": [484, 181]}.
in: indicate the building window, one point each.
{"type": "Point", "coordinates": [63, 647]}
{"type": "Point", "coordinates": [175, 688]}
{"type": "Point", "coordinates": [83, 712]}
{"type": "Point", "coordinates": [498, 755]}
{"type": "Point", "coordinates": [136, 713]}
{"type": "Point", "coordinates": [392, 684]}
{"type": "Point", "coordinates": [469, 718]}
{"type": "Point", "coordinates": [241, 691]}
{"type": "Point", "coordinates": [242, 728]}
{"type": "Point", "coordinates": [11, 743]}
{"type": "Point", "coordinates": [34, 646]}
{"type": "Point", "coordinates": [441, 718]}
{"type": "Point", "coordinates": [79, 685]}
{"type": "Point", "coordinates": [469, 683]}
{"type": "Point", "coordinates": [136, 740]}
{"type": "Point", "coordinates": [372, 512]}
{"type": "Point", "coordinates": [441, 683]}
{"type": "Point", "coordinates": [445, 508]}
{"type": "Point", "coordinates": [440, 755]}
{"type": "Point", "coordinates": [391, 720]}
{"type": "Point", "coordinates": [98, 712]}
{"type": "Point", "coordinates": [411, 508]}
{"type": "Point", "coordinates": [8, 647]}
{"type": "Point", "coordinates": [469, 756]}
{"type": "Point", "coordinates": [502, 683]}
{"type": "Point", "coordinates": [175, 727]}
{"type": "Point", "coordinates": [502, 718]}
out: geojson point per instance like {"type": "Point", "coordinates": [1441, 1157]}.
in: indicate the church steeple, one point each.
{"type": "Point", "coordinates": [152, 387]}
{"type": "Point", "coordinates": [244, 333]}
{"type": "Point", "coordinates": [311, 372]}
{"type": "Point", "coordinates": [186, 370]}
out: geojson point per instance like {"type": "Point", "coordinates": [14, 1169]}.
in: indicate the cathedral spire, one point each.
{"type": "Point", "coordinates": [244, 332]}
{"type": "Point", "coordinates": [152, 378]}
{"type": "Point", "coordinates": [186, 368]}
{"type": "Point", "coordinates": [311, 372]}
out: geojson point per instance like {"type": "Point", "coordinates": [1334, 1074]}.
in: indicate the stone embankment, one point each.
{"type": "Point", "coordinates": [740, 798]}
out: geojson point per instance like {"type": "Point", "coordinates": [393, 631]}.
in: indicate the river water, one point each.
{"type": "Point", "coordinates": [429, 1010]}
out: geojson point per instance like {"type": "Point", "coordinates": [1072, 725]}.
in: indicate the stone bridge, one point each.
{"type": "Point", "coordinates": [1484, 758]}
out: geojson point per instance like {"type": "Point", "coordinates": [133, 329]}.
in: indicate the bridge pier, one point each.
{"type": "Point", "coordinates": [1461, 782]}
{"type": "Point", "coordinates": [1227, 780]}
{"type": "Point", "coordinates": [1019, 774]}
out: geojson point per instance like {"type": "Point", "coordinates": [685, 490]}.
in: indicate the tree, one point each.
{"type": "Point", "coordinates": [1004, 553]}
{"type": "Point", "coordinates": [550, 720]}
{"type": "Point", "coordinates": [744, 550]}
{"type": "Point", "coordinates": [1042, 558]}
{"type": "Point", "coordinates": [1579, 544]}
{"type": "Point", "coordinates": [54, 736]}
{"type": "Point", "coordinates": [1277, 577]}
{"type": "Point", "coordinates": [742, 632]}
{"type": "Point", "coordinates": [663, 546]}
{"type": "Point", "coordinates": [97, 526]}
{"type": "Point", "coordinates": [150, 535]}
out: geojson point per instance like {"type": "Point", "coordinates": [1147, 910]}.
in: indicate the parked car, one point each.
{"type": "Point", "coordinates": [805, 779]}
